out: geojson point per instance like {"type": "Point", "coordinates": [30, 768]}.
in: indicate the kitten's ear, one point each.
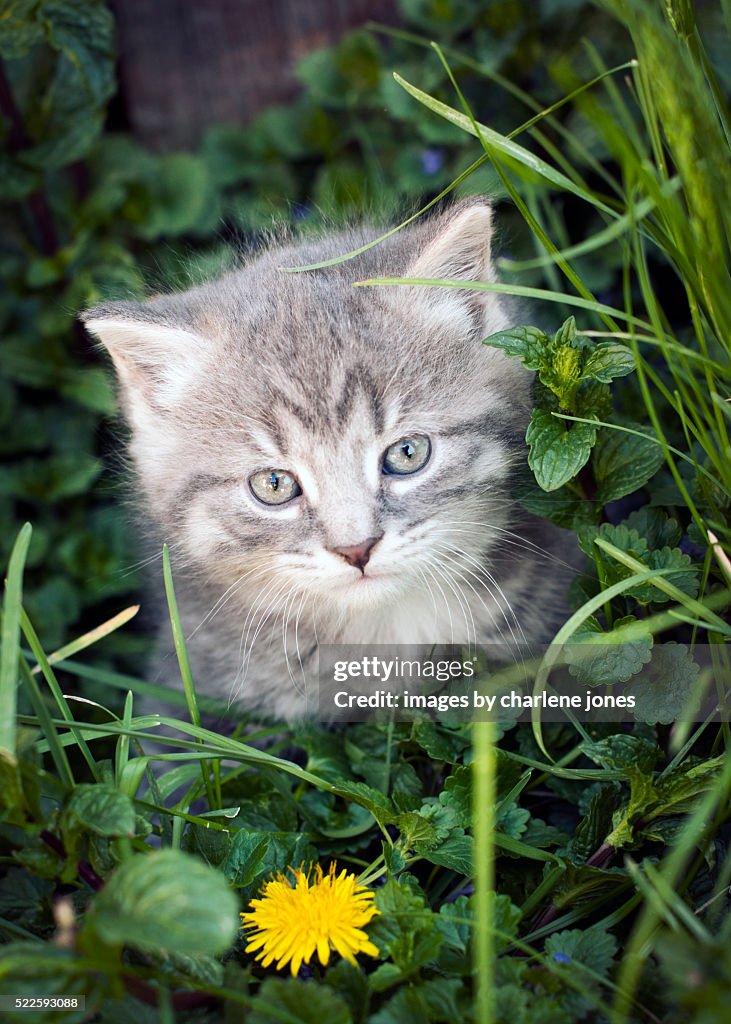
{"type": "Point", "coordinates": [155, 359]}
{"type": "Point", "coordinates": [457, 249]}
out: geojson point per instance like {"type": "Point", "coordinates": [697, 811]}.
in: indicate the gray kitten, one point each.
{"type": "Point", "coordinates": [334, 464]}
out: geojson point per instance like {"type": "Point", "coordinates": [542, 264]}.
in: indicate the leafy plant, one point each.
{"type": "Point", "coordinates": [551, 874]}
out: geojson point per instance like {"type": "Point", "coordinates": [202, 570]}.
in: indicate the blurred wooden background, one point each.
{"type": "Point", "coordinates": [187, 64]}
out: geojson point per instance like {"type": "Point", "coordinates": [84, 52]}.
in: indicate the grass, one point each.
{"type": "Point", "coordinates": [615, 909]}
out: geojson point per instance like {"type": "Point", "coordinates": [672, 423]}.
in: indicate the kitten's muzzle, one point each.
{"type": "Point", "coordinates": [358, 555]}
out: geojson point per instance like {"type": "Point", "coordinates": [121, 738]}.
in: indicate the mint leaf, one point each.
{"type": "Point", "coordinates": [608, 360]}
{"type": "Point", "coordinates": [624, 753]}
{"type": "Point", "coordinates": [557, 450]}
{"type": "Point", "coordinates": [454, 853]}
{"type": "Point", "coordinates": [281, 999]}
{"type": "Point", "coordinates": [528, 344]}
{"type": "Point", "coordinates": [683, 575]}
{"type": "Point", "coordinates": [597, 658]}
{"type": "Point", "coordinates": [592, 947]}
{"type": "Point", "coordinates": [658, 529]}
{"type": "Point", "coordinates": [623, 463]}
{"type": "Point", "coordinates": [20, 28]}
{"type": "Point", "coordinates": [164, 900]}
{"type": "Point", "coordinates": [665, 689]}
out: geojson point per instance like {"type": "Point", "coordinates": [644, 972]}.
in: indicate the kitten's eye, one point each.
{"type": "Point", "coordinates": [274, 486]}
{"type": "Point", "coordinates": [407, 455]}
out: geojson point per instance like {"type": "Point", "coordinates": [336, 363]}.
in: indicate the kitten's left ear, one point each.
{"type": "Point", "coordinates": [458, 249]}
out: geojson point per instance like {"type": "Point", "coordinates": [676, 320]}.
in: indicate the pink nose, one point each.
{"type": "Point", "coordinates": [358, 554]}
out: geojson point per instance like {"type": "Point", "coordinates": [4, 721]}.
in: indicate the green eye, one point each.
{"type": "Point", "coordinates": [274, 486]}
{"type": "Point", "coordinates": [407, 455]}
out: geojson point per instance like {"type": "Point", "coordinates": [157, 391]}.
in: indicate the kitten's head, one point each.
{"type": "Point", "coordinates": [298, 435]}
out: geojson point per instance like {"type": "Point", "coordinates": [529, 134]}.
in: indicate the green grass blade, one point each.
{"type": "Point", "coordinates": [493, 140]}
{"type": "Point", "coordinates": [484, 773]}
{"type": "Point", "coordinates": [92, 637]}
{"type": "Point", "coordinates": [184, 663]}
{"type": "Point", "coordinates": [121, 752]}
{"type": "Point", "coordinates": [711, 620]}
{"type": "Point", "coordinates": [46, 723]}
{"type": "Point", "coordinates": [43, 666]}
{"type": "Point", "coordinates": [524, 291]}
{"type": "Point", "coordinates": [10, 655]}
{"type": "Point", "coordinates": [333, 261]}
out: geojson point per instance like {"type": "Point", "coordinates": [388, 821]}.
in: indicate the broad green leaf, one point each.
{"type": "Point", "coordinates": [621, 535]}
{"type": "Point", "coordinates": [683, 575]}
{"type": "Point", "coordinates": [597, 658]}
{"type": "Point", "coordinates": [592, 947]}
{"type": "Point", "coordinates": [596, 824]}
{"type": "Point", "coordinates": [165, 900]}
{"type": "Point", "coordinates": [607, 360]}
{"type": "Point", "coordinates": [99, 808]}
{"type": "Point", "coordinates": [259, 855]}
{"type": "Point", "coordinates": [436, 1000]}
{"type": "Point", "coordinates": [377, 803]}
{"type": "Point", "coordinates": [623, 463]}
{"type": "Point", "coordinates": [455, 853]}
{"type": "Point", "coordinates": [83, 30]}
{"type": "Point", "coordinates": [297, 1002]}
{"type": "Point", "coordinates": [625, 753]}
{"type": "Point", "coordinates": [20, 28]}
{"type": "Point", "coordinates": [657, 528]}
{"type": "Point", "coordinates": [557, 453]}
{"type": "Point", "coordinates": [528, 344]}
{"type": "Point", "coordinates": [440, 741]}
{"type": "Point", "coordinates": [560, 507]}
{"type": "Point", "coordinates": [665, 690]}
{"type": "Point", "coordinates": [182, 198]}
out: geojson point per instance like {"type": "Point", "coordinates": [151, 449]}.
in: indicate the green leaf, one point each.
{"type": "Point", "coordinates": [377, 803]}
{"type": "Point", "coordinates": [635, 757]}
{"type": "Point", "coordinates": [165, 900]}
{"type": "Point", "coordinates": [20, 28]}
{"type": "Point", "coordinates": [442, 742]}
{"type": "Point", "coordinates": [623, 463]}
{"type": "Point", "coordinates": [657, 528]}
{"type": "Point", "coordinates": [100, 808]}
{"type": "Point", "coordinates": [295, 1002]}
{"type": "Point", "coordinates": [182, 198]}
{"type": "Point", "coordinates": [592, 947]}
{"type": "Point", "coordinates": [665, 689]}
{"type": "Point", "coordinates": [596, 824]}
{"type": "Point", "coordinates": [529, 344]}
{"type": "Point", "coordinates": [435, 1000]}
{"type": "Point", "coordinates": [557, 453]}
{"type": "Point", "coordinates": [405, 929]}
{"type": "Point", "coordinates": [455, 853]}
{"type": "Point", "coordinates": [561, 507]}
{"type": "Point", "coordinates": [454, 921]}
{"type": "Point", "coordinates": [457, 795]}
{"type": "Point", "coordinates": [597, 658]}
{"type": "Point", "coordinates": [683, 575]}
{"type": "Point", "coordinates": [256, 855]}
{"type": "Point", "coordinates": [83, 30]}
{"type": "Point", "coordinates": [608, 360]}
{"type": "Point", "coordinates": [624, 753]}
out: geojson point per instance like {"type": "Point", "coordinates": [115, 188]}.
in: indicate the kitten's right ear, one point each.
{"type": "Point", "coordinates": [155, 359]}
{"type": "Point", "coordinates": [457, 249]}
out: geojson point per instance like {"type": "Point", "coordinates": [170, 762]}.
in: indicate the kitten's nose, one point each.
{"type": "Point", "coordinates": [358, 554]}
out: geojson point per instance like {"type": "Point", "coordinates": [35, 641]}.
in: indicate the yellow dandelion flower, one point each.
{"type": "Point", "coordinates": [294, 918]}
